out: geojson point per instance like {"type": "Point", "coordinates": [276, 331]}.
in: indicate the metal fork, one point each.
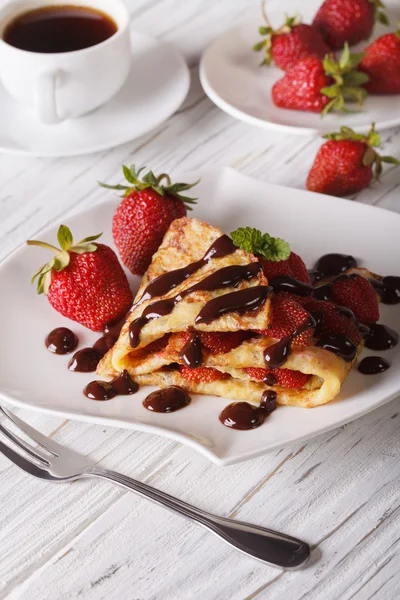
{"type": "Point", "coordinates": [51, 461]}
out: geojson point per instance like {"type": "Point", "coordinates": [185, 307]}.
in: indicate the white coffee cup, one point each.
{"type": "Point", "coordinates": [66, 85]}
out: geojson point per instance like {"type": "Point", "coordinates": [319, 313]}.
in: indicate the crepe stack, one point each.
{"type": "Point", "coordinates": [155, 352]}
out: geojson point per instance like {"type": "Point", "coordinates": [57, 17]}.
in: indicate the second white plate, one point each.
{"type": "Point", "coordinates": [33, 378]}
{"type": "Point", "coordinates": [232, 78]}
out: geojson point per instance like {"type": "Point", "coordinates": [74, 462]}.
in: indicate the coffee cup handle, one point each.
{"type": "Point", "coordinates": [46, 103]}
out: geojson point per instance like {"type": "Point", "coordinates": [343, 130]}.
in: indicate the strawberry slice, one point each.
{"type": "Point", "coordinates": [220, 343]}
{"type": "Point", "coordinates": [287, 316]}
{"type": "Point", "coordinates": [158, 345]}
{"type": "Point", "coordinates": [202, 374]}
{"type": "Point", "coordinates": [284, 377]}
{"type": "Point", "coordinates": [217, 342]}
{"type": "Point", "coordinates": [332, 322]}
{"type": "Point", "coordinates": [356, 292]}
{"type": "Point", "coordinates": [293, 266]}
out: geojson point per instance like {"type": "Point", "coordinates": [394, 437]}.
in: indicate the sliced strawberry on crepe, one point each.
{"type": "Point", "coordinates": [284, 377]}
{"type": "Point", "coordinates": [356, 292]}
{"type": "Point", "coordinates": [287, 316]}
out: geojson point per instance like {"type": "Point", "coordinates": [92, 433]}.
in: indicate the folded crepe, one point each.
{"type": "Point", "coordinates": [199, 281]}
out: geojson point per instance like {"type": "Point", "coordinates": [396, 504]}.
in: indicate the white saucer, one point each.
{"type": "Point", "coordinates": [157, 85]}
{"type": "Point", "coordinates": [232, 78]}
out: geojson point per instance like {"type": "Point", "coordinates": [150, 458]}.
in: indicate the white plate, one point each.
{"type": "Point", "coordinates": [156, 86]}
{"type": "Point", "coordinates": [232, 78]}
{"type": "Point", "coordinates": [314, 224]}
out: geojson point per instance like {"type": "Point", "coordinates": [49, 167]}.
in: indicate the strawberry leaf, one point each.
{"type": "Point", "coordinates": [46, 282]}
{"type": "Point", "coordinates": [383, 18]}
{"type": "Point", "coordinates": [330, 91]}
{"type": "Point", "coordinates": [64, 237]}
{"type": "Point", "coordinates": [356, 78]}
{"type": "Point", "coordinates": [150, 181]}
{"type": "Point", "coordinates": [390, 159]}
{"type": "Point", "coordinates": [113, 187]}
{"type": "Point", "coordinates": [345, 57]}
{"type": "Point", "coordinates": [91, 238]}
{"type": "Point", "coordinates": [259, 46]}
{"type": "Point", "coordinates": [81, 249]}
{"type": "Point", "coordinates": [369, 157]}
{"type": "Point", "coordinates": [60, 261]}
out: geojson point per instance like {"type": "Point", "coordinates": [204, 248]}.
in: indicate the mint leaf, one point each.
{"type": "Point", "coordinates": [248, 239]}
{"type": "Point", "coordinates": [251, 240]}
{"type": "Point", "coordinates": [278, 250]}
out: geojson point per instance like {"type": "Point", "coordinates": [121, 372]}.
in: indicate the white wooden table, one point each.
{"type": "Point", "coordinates": [339, 491]}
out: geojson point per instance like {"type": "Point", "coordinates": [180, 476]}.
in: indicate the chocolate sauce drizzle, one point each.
{"type": "Point", "coordinates": [388, 289]}
{"type": "Point", "coordinates": [372, 365]}
{"type": "Point", "coordinates": [380, 337]}
{"type": "Point", "coordinates": [191, 353]}
{"type": "Point", "coordinates": [339, 344]}
{"type": "Point", "coordinates": [163, 284]}
{"type": "Point", "coordinates": [167, 400]}
{"type": "Point", "coordinates": [61, 341]}
{"type": "Point", "coordinates": [245, 416]}
{"type": "Point", "coordinates": [225, 277]}
{"type": "Point", "coordinates": [333, 264]}
{"type": "Point", "coordinates": [277, 354]}
{"type": "Point", "coordinates": [122, 385]}
{"type": "Point", "coordinates": [248, 300]}
{"type": "Point", "coordinates": [286, 283]}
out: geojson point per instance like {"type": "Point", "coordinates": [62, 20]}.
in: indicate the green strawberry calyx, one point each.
{"type": "Point", "coordinates": [380, 14]}
{"type": "Point", "coordinates": [161, 184]}
{"type": "Point", "coordinates": [372, 140]}
{"type": "Point", "coordinates": [347, 80]}
{"type": "Point", "coordinates": [251, 240]}
{"type": "Point", "coordinates": [268, 32]}
{"type": "Point", "coordinates": [62, 255]}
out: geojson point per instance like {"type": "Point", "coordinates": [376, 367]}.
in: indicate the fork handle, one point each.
{"type": "Point", "coordinates": [274, 548]}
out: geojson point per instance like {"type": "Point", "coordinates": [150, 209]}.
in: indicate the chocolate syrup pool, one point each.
{"type": "Point", "coordinates": [167, 400]}
{"type": "Point", "coordinates": [245, 416]}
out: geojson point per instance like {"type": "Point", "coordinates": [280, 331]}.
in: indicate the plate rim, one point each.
{"type": "Point", "coordinates": [95, 149]}
{"type": "Point", "coordinates": [170, 433]}
{"type": "Point", "coordinates": [243, 116]}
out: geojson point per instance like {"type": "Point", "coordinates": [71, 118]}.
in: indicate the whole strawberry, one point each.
{"type": "Point", "coordinates": [347, 163]}
{"type": "Point", "coordinates": [320, 86]}
{"type": "Point", "coordinates": [382, 64]}
{"type": "Point", "coordinates": [350, 21]}
{"type": "Point", "coordinates": [84, 281]}
{"type": "Point", "coordinates": [144, 215]}
{"type": "Point", "coordinates": [290, 43]}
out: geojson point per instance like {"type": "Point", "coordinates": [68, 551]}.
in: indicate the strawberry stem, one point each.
{"type": "Point", "coordinates": [164, 176]}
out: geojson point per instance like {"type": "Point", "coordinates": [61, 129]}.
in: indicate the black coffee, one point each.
{"type": "Point", "coordinates": [53, 29]}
